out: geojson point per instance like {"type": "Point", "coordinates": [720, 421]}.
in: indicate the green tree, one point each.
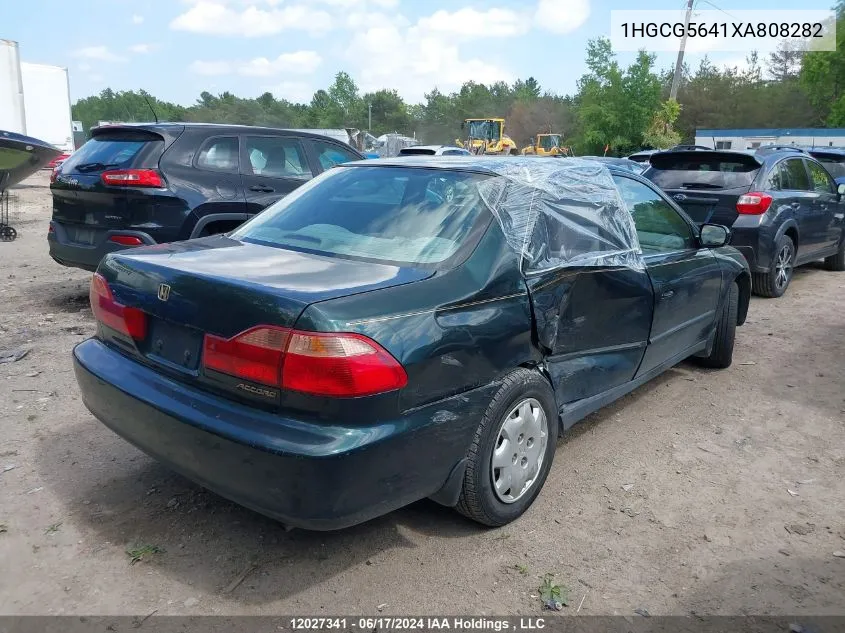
{"type": "Point", "coordinates": [823, 76]}
{"type": "Point", "coordinates": [661, 134]}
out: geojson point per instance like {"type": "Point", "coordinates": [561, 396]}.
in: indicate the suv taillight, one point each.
{"type": "Point", "coordinates": [129, 321]}
{"type": "Point", "coordinates": [753, 203]}
{"type": "Point", "coordinates": [132, 178]}
{"type": "Point", "coordinates": [341, 365]}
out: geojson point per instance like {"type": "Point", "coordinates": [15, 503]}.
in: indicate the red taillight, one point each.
{"type": "Point", "coordinates": [54, 174]}
{"type": "Point", "coordinates": [132, 178]}
{"type": "Point", "coordinates": [342, 365]}
{"type": "Point", "coordinates": [50, 229]}
{"type": "Point", "coordinates": [129, 321]}
{"type": "Point", "coordinates": [323, 364]}
{"type": "Point", "coordinates": [753, 203]}
{"type": "Point", "coordinates": [126, 240]}
{"type": "Point", "coordinates": [254, 355]}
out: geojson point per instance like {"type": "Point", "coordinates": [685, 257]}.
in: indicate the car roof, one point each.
{"type": "Point", "coordinates": [175, 128]}
{"type": "Point", "coordinates": [475, 164]}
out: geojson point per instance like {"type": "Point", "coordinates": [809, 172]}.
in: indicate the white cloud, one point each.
{"type": "Point", "coordinates": [561, 16]}
{"type": "Point", "coordinates": [294, 91]}
{"type": "Point", "coordinates": [413, 62]}
{"type": "Point", "coordinates": [296, 63]}
{"type": "Point", "coordinates": [300, 63]}
{"type": "Point", "coordinates": [98, 53]}
{"type": "Point", "coordinates": [471, 23]}
{"type": "Point", "coordinates": [215, 17]}
{"type": "Point", "coordinates": [141, 49]}
{"type": "Point", "coordinates": [137, 19]}
{"type": "Point", "coordinates": [210, 68]}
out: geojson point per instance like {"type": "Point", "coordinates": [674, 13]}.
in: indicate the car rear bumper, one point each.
{"type": "Point", "coordinates": [87, 256]}
{"type": "Point", "coordinates": [315, 475]}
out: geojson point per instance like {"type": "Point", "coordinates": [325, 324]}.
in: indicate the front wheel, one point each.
{"type": "Point", "coordinates": [512, 450]}
{"type": "Point", "coordinates": [721, 355]}
{"type": "Point", "coordinates": [774, 283]}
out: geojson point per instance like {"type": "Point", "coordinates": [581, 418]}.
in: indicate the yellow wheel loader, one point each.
{"type": "Point", "coordinates": [545, 145]}
{"type": "Point", "coordinates": [487, 136]}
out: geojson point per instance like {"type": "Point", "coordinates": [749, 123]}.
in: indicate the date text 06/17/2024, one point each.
{"type": "Point", "coordinates": [425, 623]}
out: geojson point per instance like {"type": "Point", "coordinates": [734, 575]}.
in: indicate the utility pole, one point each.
{"type": "Point", "coordinates": [676, 79]}
{"type": "Point", "coordinates": [370, 124]}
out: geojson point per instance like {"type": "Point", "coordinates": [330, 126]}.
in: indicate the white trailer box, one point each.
{"type": "Point", "coordinates": [12, 117]}
{"type": "Point", "coordinates": [47, 99]}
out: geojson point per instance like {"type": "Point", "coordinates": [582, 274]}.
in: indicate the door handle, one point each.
{"type": "Point", "coordinates": [668, 294]}
{"type": "Point", "coordinates": [261, 188]}
{"type": "Point", "coordinates": [795, 205]}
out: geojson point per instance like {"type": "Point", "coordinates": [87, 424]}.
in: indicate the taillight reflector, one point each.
{"type": "Point", "coordinates": [753, 203]}
{"type": "Point", "coordinates": [132, 178]}
{"type": "Point", "coordinates": [129, 321]}
{"type": "Point", "coordinates": [325, 364]}
{"type": "Point", "coordinates": [126, 240]}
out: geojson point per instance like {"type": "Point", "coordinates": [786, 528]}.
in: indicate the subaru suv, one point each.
{"type": "Point", "coordinates": [782, 206]}
{"type": "Point", "coordinates": [141, 184]}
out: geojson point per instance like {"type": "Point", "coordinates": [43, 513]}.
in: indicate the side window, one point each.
{"type": "Point", "coordinates": [219, 154]}
{"type": "Point", "coordinates": [822, 182]}
{"type": "Point", "coordinates": [774, 182]}
{"type": "Point", "coordinates": [794, 176]}
{"type": "Point", "coordinates": [330, 154]}
{"type": "Point", "coordinates": [276, 157]}
{"type": "Point", "coordinates": [660, 228]}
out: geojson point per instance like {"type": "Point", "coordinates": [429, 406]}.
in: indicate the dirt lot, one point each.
{"type": "Point", "coordinates": [718, 492]}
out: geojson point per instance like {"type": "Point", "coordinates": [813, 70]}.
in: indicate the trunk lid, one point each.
{"type": "Point", "coordinates": [84, 204]}
{"type": "Point", "coordinates": [222, 286]}
{"type": "Point", "coordinates": [706, 183]}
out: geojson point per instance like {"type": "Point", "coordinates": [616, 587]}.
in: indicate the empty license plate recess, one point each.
{"type": "Point", "coordinates": [175, 344]}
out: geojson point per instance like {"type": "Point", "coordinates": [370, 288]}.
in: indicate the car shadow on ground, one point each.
{"type": "Point", "coordinates": [127, 500]}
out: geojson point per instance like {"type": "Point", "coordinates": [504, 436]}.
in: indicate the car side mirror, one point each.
{"type": "Point", "coordinates": [841, 189]}
{"type": "Point", "coordinates": [713, 235]}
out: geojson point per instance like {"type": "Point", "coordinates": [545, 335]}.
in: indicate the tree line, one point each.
{"type": "Point", "coordinates": [615, 108]}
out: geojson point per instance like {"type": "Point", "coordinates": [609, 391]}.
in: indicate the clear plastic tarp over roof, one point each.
{"type": "Point", "coordinates": [560, 212]}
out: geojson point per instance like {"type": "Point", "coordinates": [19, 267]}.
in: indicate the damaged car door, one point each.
{"type": "Point", "coordinates": [592, 323]}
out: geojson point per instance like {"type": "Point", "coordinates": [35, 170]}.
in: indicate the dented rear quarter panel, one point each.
{"type": "Point", "coordinates": [458, 330]}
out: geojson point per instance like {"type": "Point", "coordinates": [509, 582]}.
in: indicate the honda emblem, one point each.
{"type": "Point", "coordinates": [163, 292]}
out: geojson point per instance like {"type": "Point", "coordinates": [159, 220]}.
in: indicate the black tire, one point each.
{"type": "Point", "coordinates": [773, 284]}
{"type": "Point", "coordinates": [722, 353]}
{"type": "Point", "coordinates": [479, 500]}
{"type": "Point", "coordinates": [836, 262]}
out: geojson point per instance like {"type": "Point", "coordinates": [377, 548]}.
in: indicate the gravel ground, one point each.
{"type": "Point", "coordinates": [713, 492]}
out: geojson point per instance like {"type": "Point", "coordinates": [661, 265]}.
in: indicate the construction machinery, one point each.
{"type": "Point", "coordinates": [546, 145]}
{"type": "Point", "coordinates": [487, 136]}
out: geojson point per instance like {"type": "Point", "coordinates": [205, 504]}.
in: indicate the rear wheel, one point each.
{"type": "Point", "coordinates": [721, 355]}
{"type": "Point", "coordinates": [512, 450]}
{"type": "Point", "coordinates": [836, 262]}
{"type": "Point", "coordinates": [775, 282]}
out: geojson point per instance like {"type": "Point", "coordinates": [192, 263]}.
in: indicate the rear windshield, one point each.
{"type": "Point", "coordinates": [107, 152]}
{"type": "Point", "coordinates": [694, 170]}
{"type": "Point", "coordinates": [834, 166]}
{"type": "Point", "coordinates": [402, 216]}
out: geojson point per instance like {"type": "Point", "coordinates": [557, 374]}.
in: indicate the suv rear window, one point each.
{"type": "Point", "coordinates": [112, 151]}
{"type": "Point", "coordinates": [414, 151]}
{"type": "Point", "coordinates": [395, 215]}
{"type": "Point", "coordinates": [702, 170]}
{"type": "Point", "coordinates": [835, 166]}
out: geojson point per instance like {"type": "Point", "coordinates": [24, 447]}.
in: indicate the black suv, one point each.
{"type": "Point", "coordinates": [781, 205]}
{"type": "Point", "coordinates": [132, 185]}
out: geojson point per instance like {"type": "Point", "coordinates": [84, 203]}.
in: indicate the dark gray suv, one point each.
{"type": "Point", "coordinates": [782, 206]}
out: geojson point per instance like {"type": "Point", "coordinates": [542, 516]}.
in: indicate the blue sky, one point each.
{"type": "Point", "coordinates": [175, 49]}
